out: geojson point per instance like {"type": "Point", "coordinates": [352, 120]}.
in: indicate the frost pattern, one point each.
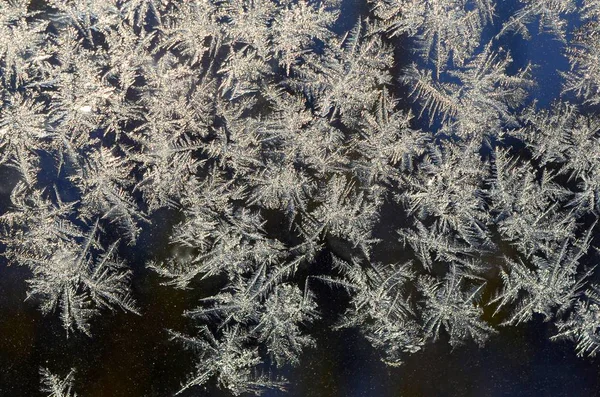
{"type": "Point", "coordinates": [275, 137]}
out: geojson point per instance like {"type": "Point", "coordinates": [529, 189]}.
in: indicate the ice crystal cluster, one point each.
{"type": "Point", "coordinates": [276, 133]}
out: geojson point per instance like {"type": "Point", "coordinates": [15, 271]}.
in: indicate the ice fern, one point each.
{"type": "Point", "coordinates": [380, 306]}
{"type": "Point", "coordinates": [76, 283]}
{"type": "Point", "coordinates": [54, 386]}
{"type": "Point", "coordinates": [229, 359]}
{"type": "Point", "coordinates": [444, 29]}
{"type": "Point", "coordinates": [480, 103]}
{"type": "Point", "coordinates": [450, 307]}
